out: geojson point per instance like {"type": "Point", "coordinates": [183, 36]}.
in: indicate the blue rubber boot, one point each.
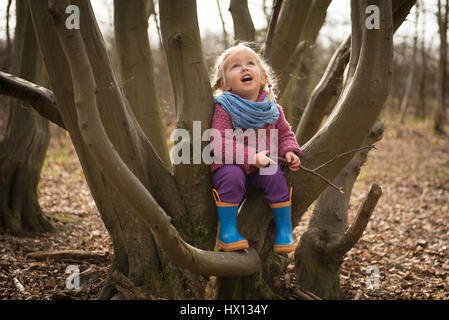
{"type": "Point", "coordinates": [229, 238]}
{"type": "Point", "coordinates": [284, 241]}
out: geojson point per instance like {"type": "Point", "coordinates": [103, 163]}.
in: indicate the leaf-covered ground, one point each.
{"type": "Point", "coordinates": [405, 243]}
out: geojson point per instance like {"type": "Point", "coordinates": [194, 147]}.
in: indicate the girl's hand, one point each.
{"type": "Point", "coordinates": [293, 161]}
{"type": "Point", "coordinates": [261, 160]}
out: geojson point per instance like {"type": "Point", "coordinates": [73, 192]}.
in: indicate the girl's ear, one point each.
{"type": "Point", "coordinates": [265, 79]}
{"type": "Point", "coordinates": [223, 85]}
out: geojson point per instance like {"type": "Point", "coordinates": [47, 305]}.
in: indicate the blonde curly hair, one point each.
{"type": "Point", "coordinates": [219, 69]}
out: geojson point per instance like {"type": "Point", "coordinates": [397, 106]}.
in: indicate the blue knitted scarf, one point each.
{"type": "Point", "coordinates": [247, 114]}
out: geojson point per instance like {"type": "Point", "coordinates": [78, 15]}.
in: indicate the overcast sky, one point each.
{"type": "Point", "coordinates": [337, 26]}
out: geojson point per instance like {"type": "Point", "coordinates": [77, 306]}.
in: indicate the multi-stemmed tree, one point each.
{"type": "Point", "coordinates": [162, 220]}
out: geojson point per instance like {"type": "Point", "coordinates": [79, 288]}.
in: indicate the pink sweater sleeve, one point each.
{"type": "Point", "coordinates": [286, 137]}
{"type": "Point", "coordinates": [221, 121]}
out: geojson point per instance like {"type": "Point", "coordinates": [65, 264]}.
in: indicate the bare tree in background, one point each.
{"type": "Point", "coordinates": [412, 71]}
{"type": "Point", "coordinates": [23, 149]}
{"type": "Point", "coordinates": [421, 106]}
{"type": "Point", "coordinates": [440, 113]}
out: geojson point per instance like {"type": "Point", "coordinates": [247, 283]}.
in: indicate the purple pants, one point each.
{"type": "Point", "coordinates": [232, 183]}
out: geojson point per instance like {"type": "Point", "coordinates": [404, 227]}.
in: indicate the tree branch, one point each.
{"type": "Point", "coordinates": [322, 95]}
{"type": "Point", "coordinates": [243, 24]}
{"type": "Point", "coordinates": [292, 67]}
{"type": "Point", "coordinates": [273, 22]}
{"type": "Point", "coordinates": [226, 264]}
{"type": "Point", "coordinates": [290, 24]}
{"type": "Point", "coordinates": [40, 98]}
{"type": "Point", "coordinates": [361, 220]}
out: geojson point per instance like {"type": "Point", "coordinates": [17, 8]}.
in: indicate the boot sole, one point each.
{"type": "Point", "coordinates": [284, 247]}
{"type": "Point", "coordinates": [239, 245]}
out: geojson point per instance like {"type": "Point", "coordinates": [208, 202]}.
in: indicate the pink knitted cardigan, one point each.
{"type": "Point", "coordinates": [286, 138]}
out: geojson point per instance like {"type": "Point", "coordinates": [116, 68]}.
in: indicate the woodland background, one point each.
{"type": "Point", "coordinates": [406, 238]}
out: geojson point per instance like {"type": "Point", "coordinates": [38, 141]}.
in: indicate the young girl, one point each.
{"type": "Point", "coordinates": [244, 99]}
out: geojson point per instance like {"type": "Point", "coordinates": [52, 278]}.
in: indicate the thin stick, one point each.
{"type": "Point", "coordinates": [339, 189]}
{"type": "Point", "coordinates": [284, 162]}
{"type": "Point", "coordinates": [343, 154]}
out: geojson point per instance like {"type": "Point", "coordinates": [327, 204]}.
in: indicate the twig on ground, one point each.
{"type": "Point", "coordinates": [20, 287]}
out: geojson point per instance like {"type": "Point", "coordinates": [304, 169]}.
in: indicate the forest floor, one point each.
{"type": "Point", "coordinates": [403, 253]}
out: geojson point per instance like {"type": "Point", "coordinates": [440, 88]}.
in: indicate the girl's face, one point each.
{"type": "Point", "coordinates": [242, 75]}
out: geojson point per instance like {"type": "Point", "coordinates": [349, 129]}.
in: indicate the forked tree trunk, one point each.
{"type": "Point", "coordinates": [22, 152]}
{"type": "Point", "coordinates": [136, 254]}
{"type": "Point", "coordinates": [320, 251]}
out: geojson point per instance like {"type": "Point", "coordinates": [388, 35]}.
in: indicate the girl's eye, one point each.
{"type": "Point", "coordinates": [235, 66]}
{"type": "Point", "coordinates": [252, 63]}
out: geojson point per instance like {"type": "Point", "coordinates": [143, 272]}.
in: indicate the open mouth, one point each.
{"type": "Point", "coordinates": [247, 78]}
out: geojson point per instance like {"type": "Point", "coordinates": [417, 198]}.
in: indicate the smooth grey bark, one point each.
{"type": "Point", "coordinates": [193, 101]}
{"type": "Point", "coordinates": [41, 99]}
{"type": "Point", "coordinates": [23, 149]}
{"type": "Point", "coordinates": [137, 71]}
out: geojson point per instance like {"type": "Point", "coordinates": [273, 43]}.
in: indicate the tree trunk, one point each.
{"type": "Point", "coordinates": [287, 33]}
{"type": "Point", "coordinates": [327, 89]}
{"type": "Point", "coordinates": [293, 95]}
{"type": "Point", "coordinates": [137, 71]}
{"type": "Point", "coordinates": [243, 24]}
{"type": "Point", "coordinates": [440, 112]}
{"type": "Point", "coordinates": [193, 101]}
{"type": "Point", "coordinates": [22, 152]}
{"type": "Point", "coordinates": [318, 255]}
